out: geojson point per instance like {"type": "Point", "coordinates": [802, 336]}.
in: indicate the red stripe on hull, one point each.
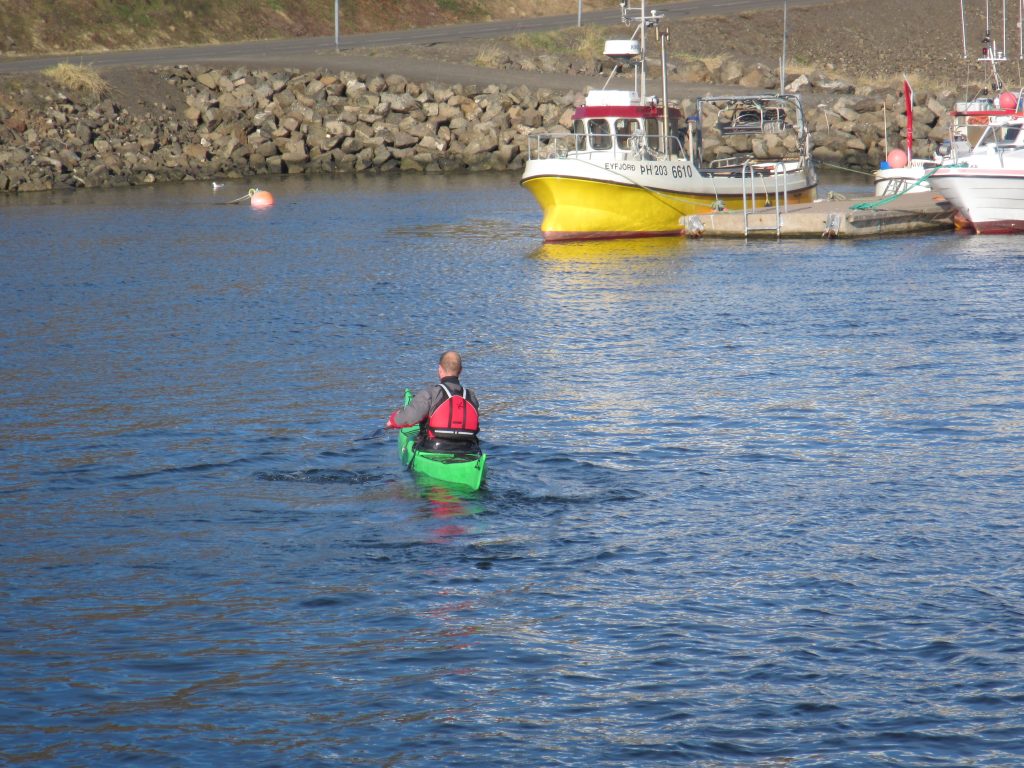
{"type": "Point", "coordinates": [1004, 227]}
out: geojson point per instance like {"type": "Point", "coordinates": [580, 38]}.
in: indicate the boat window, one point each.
{"type": "Point", "coordinates": [579, 130]}
{"type": "Point", "coordinates": [1000, 135]}
{"type": "Point", "coordinates": [624, 131]}
{"type": "Point", "coordinates": [600, 135]}
{"type": "Point", "coordinates": [654, 135]}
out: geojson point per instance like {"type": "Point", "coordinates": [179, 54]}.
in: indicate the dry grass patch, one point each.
{"type": "Point", "coordinates": [490, 56]}
{"type": "Point", "coordinates": [586, 41]}
{"type": "Point", "coordinates": [77, 77]}
{"type": "Point", "coordinates": [590, 42]}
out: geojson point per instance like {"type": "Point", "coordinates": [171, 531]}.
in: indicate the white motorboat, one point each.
{"type": "Point", "coordinates": [902, 172]}
{"type": "Point", "coordinates": [987, 185]}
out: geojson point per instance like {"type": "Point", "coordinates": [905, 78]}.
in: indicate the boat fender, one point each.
{"type": "Point", "coordinates": [694, 226]}
{"type": "Point", "coordinates": [833, 223]}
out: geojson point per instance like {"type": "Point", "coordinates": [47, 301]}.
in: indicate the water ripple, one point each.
{"type": "Point", "coordinates": [748, 503]}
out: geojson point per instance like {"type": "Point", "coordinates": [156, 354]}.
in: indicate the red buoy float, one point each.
{"type": "Point", "coordinates": [260, 198]}
{"type": "Point", "coordinates": [897, 158]}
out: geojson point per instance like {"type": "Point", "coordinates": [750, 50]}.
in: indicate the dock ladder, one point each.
{"type": "Point", "coordinates": [749, 179]}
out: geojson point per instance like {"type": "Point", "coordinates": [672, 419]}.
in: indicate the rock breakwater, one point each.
{"type": "Point", "coordinates": [188, 123]}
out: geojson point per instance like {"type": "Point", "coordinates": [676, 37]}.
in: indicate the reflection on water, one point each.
{"type": "Point", "coordinates": [451, 509]}
{"type": "Point", "coordinates": [746, 503]}
{"type": "Point", "coordinates": [611, 250]}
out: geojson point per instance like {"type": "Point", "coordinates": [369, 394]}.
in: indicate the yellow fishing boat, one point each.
{"type": "Point", "coordinates": [631, 167]}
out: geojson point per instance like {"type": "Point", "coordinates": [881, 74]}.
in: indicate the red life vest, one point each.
{"type": "Point", "coordinates": [454, 419]}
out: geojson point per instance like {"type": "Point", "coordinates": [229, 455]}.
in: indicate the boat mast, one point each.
{"type": "Point", "coordinates": [991, 53]}
{"type": "Point", "coordinates": [630, 15]}
{"type": "Point", "coordinates": [663, 38]}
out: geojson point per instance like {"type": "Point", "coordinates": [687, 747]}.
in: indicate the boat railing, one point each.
{"type": "Point", "coordinates": [546, 146]}
{"type": "Point", "coordinates": [749, 164]}
{"type": "Point", "coordinates": [753, 120]}
{"type": "Point", "coordinates": [675, 146]}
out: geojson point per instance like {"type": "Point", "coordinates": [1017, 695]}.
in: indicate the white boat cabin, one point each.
{"type": "Point", "coordinates": [618, 122]}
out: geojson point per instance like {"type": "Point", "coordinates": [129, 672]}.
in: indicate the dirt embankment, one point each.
{"type": "Point", "coordinates": [861, 41]}
{"type": "Point", "coordinates": [63, 26]}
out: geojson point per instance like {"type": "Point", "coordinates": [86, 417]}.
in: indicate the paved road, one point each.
{"type": "Point", "coordinates": [320, 52]}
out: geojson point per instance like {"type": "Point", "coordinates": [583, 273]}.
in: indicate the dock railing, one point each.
{"type": "Point", "coordinates": [750, 192]}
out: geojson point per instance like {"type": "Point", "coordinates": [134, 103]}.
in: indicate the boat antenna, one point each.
{"type": "Point", "coordinates": [785, 29]}
{"type": "Point", "coordinates": [643, 51]}
{"type": "Point", "coordinates": [1020, 40]}
{"type": "Point", "coordinates": [1004, 27]}
{"type": "Point", "coordinates": [991, 54]}
{"type": "Point", "coordinates": [963, 28]}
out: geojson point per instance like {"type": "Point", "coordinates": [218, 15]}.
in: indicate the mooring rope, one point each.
{"type": "Point", "coordinates": [844, 168]}
{"type": "Point", "coordinates": [882, 201]}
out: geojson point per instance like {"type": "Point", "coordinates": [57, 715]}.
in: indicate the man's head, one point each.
{"type": "Point", "coordinates": [450, 364]}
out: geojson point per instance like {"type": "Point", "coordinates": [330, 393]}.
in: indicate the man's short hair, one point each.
{"type": "Point", "coordinates": [451, 362]}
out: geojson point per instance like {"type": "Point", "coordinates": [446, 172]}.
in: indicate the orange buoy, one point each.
{"type": "Point", "coordinates": [259, 198]}
{"type": "Point", "coordinates": [897, 158]}
{"type": "Point", "coordinates": [1007, 100]}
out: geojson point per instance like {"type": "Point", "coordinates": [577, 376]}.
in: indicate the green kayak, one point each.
{"type": "Point", "coordinates": [456, 468]}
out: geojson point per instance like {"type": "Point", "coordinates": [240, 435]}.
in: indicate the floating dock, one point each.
{"type": "Point", "coordinates": [843, 218]}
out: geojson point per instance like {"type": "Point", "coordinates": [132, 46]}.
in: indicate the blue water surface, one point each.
{"type": "Point", "coordinates": [750, 503]}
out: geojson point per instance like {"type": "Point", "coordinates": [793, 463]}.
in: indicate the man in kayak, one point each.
{"type": "Point", "coordinates": [447, 412]}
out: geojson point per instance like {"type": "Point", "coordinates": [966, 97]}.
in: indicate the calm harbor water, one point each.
{"type": "Point", "coordinates": [749, 504]}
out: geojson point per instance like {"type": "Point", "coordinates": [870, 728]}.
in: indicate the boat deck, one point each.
{"type": "Point", "coordinates": [914, 212]}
